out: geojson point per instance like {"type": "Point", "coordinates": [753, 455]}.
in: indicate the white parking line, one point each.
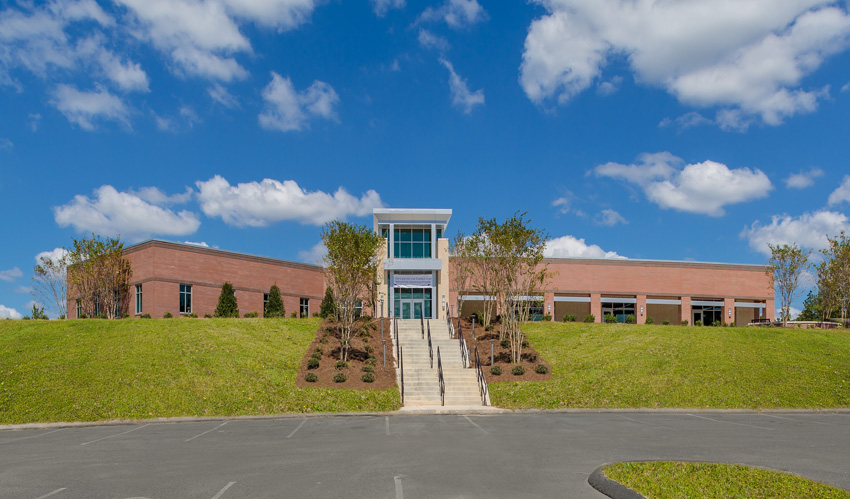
{"type": "Point", "coordinates": [475, 424]}
{"type": "Point", "coordinates": [222, 491]}
{"type": "Point", "coordinates": [387, 419]}
{"type": "Point", "coordinates": [204, 433]}
{"type": "Point", "coordinates": [52, 493]}
{"type": "Point", "coordinates": [296, 429]}
{"type": "Point", "coordinates": [642, 422]}
{"type": "Point", "coordinates": [31, 436]}
{"type": "Point", "coordinates": [117, 434]}
{"type": "Point", "coordinates": [792, 419]}
{"type": "Point", "coordinates": [399, 493]}
{"type": "Point", "coordinates": [730, 422]}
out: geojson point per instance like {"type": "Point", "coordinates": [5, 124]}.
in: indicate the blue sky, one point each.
{"type": "Point", "coordinates": [680, 130]}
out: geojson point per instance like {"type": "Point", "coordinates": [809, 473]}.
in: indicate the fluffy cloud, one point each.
{"type": "Point", "coordinates": [697, 188]}
{"type": "Point", "coordinates": [314, 255]}
{"type": "Point", "coordinates": [84, 108]}
{"type": "Point", "coordinates": [11, 274]}
{"type": "Point", "coordinates": [809, 230]}
{"type": "Point", "coordinates": [287, 109]}
{"type": "Point", "coordinates": [571, 247]}
{"type": "Point", "coordinates": [429, 40]}
{"type": "Point", "coordinates": [842, 194]}
{"type": "Point", "coordinates": [456, 13]}
{"type": "Point", "coordinates": [112, 213]}
{"type": "Point", "coordinates": [381, 7]}
{"type": "Point", "coordinates": [55, 255]}
{"type": "Point", "coordinates": [258, 204]}
{"type": "Point", "coordinates": [220, 94]}
{"type": "Point", "coordinates": [803, 179]}
{"type": "Point", "coordinates": [461, 96]}
{"type": "Point", "coordinates": [609, 218]}
{"type": "Point", "coordinates": [9, 313]}
{"type": "Point", "coordinates": [746, 57]}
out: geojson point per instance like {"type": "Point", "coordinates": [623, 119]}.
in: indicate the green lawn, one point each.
{"type": "Point", "coordinates": [670, 480]}
{"type": "Point", "coordinates": [620, 365]}
{"type": "Point", "coordinates": [91, 370]}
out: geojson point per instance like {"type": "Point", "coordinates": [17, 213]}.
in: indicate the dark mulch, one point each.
{"type": "Point", "coordinates": [368, 335]}
{"type": "Point", "coordinates": [501, 355]}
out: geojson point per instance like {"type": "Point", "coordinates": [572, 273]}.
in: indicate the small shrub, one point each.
{"type": "Point", "coordinates": [293, 315]}
{"type": "Point", "coordinates": [488, 327]}
{"type": "Point", "coordinates": [312, 363]}
{"type": "Point", "coordinates": [100, 316]}
{"type": "Point", "coordinates": [82, 316]}
{"type": "Point", "coordinates": [546, 318]}
{"type": "Point", "coordinates": [698, 323]}
{"type": "Point", "coordinates": [610, 319]}
{"type": "Point", "coordinates": [717, 324]}
{"type": "Point", "coordinates": [208, 316]}
{"type": "Point", "coordinates": [685, 323]}
{"type": "Point", "coordinates": [369, 349]}
{"type": "Point", "coordinates": [339, 378]}
{"type": "Point", "coordinates": [227, 306]}
{"type": "Point", "coordinates": [570, 318]}
{"type": "Point", "coordinates": [193, 315]}
{"type": "Point", "coordinates": [495, 370]}
{"type": "Point", "coordinates": [371, 361]}
{"type": "Point", "coordinates": [524, 343]}
{"type": "Point", "coordinates": [311, 378]}
{"type": "Point", "coordinates": [630, 319]}
{"type": "Point", "coordinates": [319, 351]}
{"type": "Point", "coordinates": [541, 369]}
{"type": "Point", "coordinates": [316, 356]}
{"type": "Point", "coordinates": [249, 315]}
{"type": "Point", "coordinates": [367, 377]}
{"type": "Point", "coordinates": [506, 343]}
{"type": "Point", "coordinates": [650, 320]}
{"type": "Point", "coordinates": [315, 314]}
{"type": "Point", "coordinates": [340, 364]}
{"type": "Point", "coordinates": [589, 318]}
{"type": "Point", "coordinates": [167, 315]}
{"type": "Point", "coordinates": [517, 370]}
{"type": "Point", "coordinates": [368, 369]}
{"type": "Point", "coordinates": [665, 322]}
{"type": "Point", "coordinates": [145, 316]}
{"type": "Point", "coordinates": [125, 316]}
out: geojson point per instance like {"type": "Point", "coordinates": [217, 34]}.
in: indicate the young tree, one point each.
{"type": "Point", "coordinates": [50, 283]}
{"type": "Point", "coordinates": [99, 275]}
{"type": "Point", "coordinates": [785, 267]}
{"type": "Point", "coordinates": [462, 269]}
{"type": "Point", "coordinates": [350, 267]}
{"type": "Point", "coordinates": [327, 308]}
{"type": "Point", "coordinates": [227, 306]}
{"type": "Point", "coordinates": [274, 308]}
{"type": "Point", "coordinates": [834, 276]}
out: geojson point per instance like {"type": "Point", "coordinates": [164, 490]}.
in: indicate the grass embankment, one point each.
{"type": "Point", "coordinates": [668, 480]}
{"type": "Point", "coordinates": [631, 366]}
{"type": "Point", "coordinates": [92, 370]}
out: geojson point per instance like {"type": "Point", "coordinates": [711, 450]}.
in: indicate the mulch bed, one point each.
{"type": "Point", "coordinates": [368, 334]}
{"type": "Point", "coordinates": [501, 355]}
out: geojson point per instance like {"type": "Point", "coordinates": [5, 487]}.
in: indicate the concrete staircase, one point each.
{"type": "Point", "coordinates": [421, 381]}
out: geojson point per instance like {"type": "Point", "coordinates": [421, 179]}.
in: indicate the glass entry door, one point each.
{"type": "Point", "coordinates": [412, 309]}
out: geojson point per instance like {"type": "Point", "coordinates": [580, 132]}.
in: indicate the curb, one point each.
{"type": "Point", "coordinates": [610, 488]}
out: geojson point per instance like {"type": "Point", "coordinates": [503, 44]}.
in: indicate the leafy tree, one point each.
{"type": "Point", "coordinates": [37, 313]}
{"type": "Point", "coordinates": [460, 251]}
{"type": "Point", "coordinates": [50, 283]}
{"type": "Point", "coordinates": [99, 275]}
{"type": "Point", "coordinates": [227, 306]}
{"type": "Point", "coordinates": [786, 267]}
{"type": "Point", "coordinates": [327, 308]}
{"type": "Point", "coordinates": [350, 267]}
{"type": "Point", "coordinates": [274, 308]}
{"type": "Point", "coordinates": [834, 277]}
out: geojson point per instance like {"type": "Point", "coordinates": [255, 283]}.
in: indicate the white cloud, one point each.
{"type": "Point", "coordinates": [803, 179]}
{"type": "Point", "coordinates": [461, 96]}
{"type": "Point", "coordinates": [155, 196]}
{"type": "Point", "coordinates": [697, 188]}
{"type": "Point", "coordinates": [9, 313]}
{"type": "Point", "coordinates": [687, 120]}
{"type": "Point", "coordinates": [201, 244]}
{"type": "Point", "coordinates": [287, 109]}
{"type": "Point", "coordinates": [112, 213]}
{"type": "Point", "coordinates": [381, 7]}
{"type": "Point", "coordinates": [609, 218]}
{"type": "Point", "coordinates": [11, 274]}
{"type": "Point", "coordinates": [6, 144]}
{"type": "Point", "coordinates": [842, 193]}
{"type": "Point", "coordinates": [563, 204]}
{"type": "Point", "coordinates": [220, 94]}
{"type": "Point", "coordinates": [33, 119]}
{"type": "Point", "coordinates": [55, 255]}
{"type": "Point", "coordinates": [258, 204]}
{"type": "Point", "coordinates": [83, 108]}
{"type": "Point", "coordinates": [610, 87]}
{"type": "Point", "coordinates": [846, 87]}
{"type": "Point", "coordinates": [429, 40]}
{"type": "Point", "coordinates": [809, 230]}
{"type": "Point", "coordinates": [750, 57]}
{"type": "Point", "coordinates": [313, 255]}
{"type": "Point", "coordinates": [186, 119]}
{"type": "Point", "coordinates": [23, 290]}
{"type": "Point", "coordinates": [455, 13]}
{"type": "Point", "coordinates": [571, 247]}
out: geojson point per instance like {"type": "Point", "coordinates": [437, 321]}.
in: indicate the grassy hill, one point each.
{"type": "Point", "coordinates": [620, 365]}
{"type": "Point", "coordinates": [91, 370]}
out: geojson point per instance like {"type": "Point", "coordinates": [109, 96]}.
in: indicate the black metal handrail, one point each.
{"type": "Point", "coordinates": [430, 349]}
{"type": "Point", "coordinates": [422, 325]}
{"type": "Point", "coordinates": [401, 371]}
{"type": "Point", "coordinates": [395, 336]}
{"type": "Point", "coordinates": [440, 377]}
{"type": "Point", "coordinates": [482, 382]}
{"type": "Point", "coordinates": [464, 351]}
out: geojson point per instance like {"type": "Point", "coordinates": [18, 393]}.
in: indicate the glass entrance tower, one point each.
{"type": "Point", "coordinates": [413, 270]}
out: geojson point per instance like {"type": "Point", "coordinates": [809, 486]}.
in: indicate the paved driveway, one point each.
{"type": "Point", "coordinates": [411, 456]}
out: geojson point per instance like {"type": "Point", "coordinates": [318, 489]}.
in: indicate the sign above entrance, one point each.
{"type": "Point", "coordinates": [413, 280]}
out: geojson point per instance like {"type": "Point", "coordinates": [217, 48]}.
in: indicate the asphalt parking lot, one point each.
{"type": "Point", "coordinates": [524, 454]}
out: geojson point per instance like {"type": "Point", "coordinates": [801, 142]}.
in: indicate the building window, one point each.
{"type": "Point", "coordinates": [265, 301]}
{"type": "Point", "coordinates": [185, 298]}
{"type": "Point", "coordinates": [305, 307]}
{"type": "Point", "coordinates": [79, 309]}
{"type": "Point", "coordinates": [358, 308]}
{"type": "Point", "coordinates": [412, 243]}
{"type": "Point", "coordinates": [96, 305]}
{"type": "Point", "coordinates": [138, 298]}
{"type": "Point", "coordinates": [117, 304]}
{"type": "Point", "coordinates": [619, 310]}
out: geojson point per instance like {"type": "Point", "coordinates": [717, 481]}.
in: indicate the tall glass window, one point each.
{"type": "Point", "coordinates": [117, 304]}
{"type": "Point", "coordinates": [305, 307]}
{"type": "Point", "coordinates": [185, 298]}
{"type": "Point", "coordinates": [79, 309]}
{"type": "Point", "coordinates": [412, 243]}
{"type": "Point", "coordinates": [96, 305]}
{"type": "Point", "coordinates": [138, 298]}
{"type": "Point", "coordinates": [618, 310]}
{"type": "Point", "coordinates": [410, 302]}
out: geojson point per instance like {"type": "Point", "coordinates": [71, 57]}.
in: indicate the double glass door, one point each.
{"type": "Point", "coordinates": [412, 309]}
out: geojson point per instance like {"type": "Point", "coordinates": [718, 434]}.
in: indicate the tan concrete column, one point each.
{"type": "Point", "coordinates": [549, 301]}
{"type": "Point", "coordinates": [728, 304]}
{"type": "Point", "coordinates": [686, 309]}
{"type": "Point", "coordinates": [596, 306]}
{"type": "Point", "coordinates": [641, 304]}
